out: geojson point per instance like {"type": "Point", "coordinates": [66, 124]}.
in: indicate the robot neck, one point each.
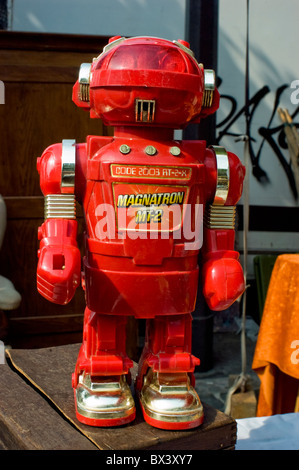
{"type": "Point", "coordinates": [149, 133]}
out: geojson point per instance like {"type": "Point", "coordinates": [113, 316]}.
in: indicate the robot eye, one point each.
{"type": "Point", "coordinates": [138, 57]}
{"type": "Point", "coordinates": [172, 61]}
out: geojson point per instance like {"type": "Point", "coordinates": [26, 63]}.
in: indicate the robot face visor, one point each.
{"type": "Point", "coordinates": [148, 57]}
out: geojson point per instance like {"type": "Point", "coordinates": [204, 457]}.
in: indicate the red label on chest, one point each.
{"type": "Point", "coordinates": [149, 207]}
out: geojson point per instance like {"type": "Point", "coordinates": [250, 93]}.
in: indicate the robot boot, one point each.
{"type": "Point", "coordinates": [165, 384]}
{"type": "Point", "coordinates": [104, 401]}
{"type": "Point", "coordinates": [169, 401]}
{"type": "Point", "coordinates": [101, 390]}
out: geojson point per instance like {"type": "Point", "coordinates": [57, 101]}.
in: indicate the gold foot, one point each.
{"type": "Point", "coordinates": [169, 401]}
{"type": "Point", "coordinates": [104, 401]}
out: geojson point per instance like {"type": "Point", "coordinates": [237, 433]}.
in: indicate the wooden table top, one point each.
{"type": "Point", "coordinates": [37, 412]}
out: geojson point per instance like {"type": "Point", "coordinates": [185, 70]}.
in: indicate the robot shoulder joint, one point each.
{"type": "Point", "coordinates": [56, 168]}
{"type": "Point", "coordinates": [228, 174]}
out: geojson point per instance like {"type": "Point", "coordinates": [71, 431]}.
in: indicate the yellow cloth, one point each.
{"type": "Point", "coordinates": [276, 356]}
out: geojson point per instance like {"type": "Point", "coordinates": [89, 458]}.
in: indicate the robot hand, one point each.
{"type": "Point", "coordinates": [223, 280]}
{"type": "Point", "coordinates": [58, 273]}
{"type": "Point", "coordinates": [59, 264]}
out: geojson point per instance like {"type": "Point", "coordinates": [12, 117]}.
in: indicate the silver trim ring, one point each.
{"type": "Point", "coordinates": [209, 88]}
{"type": "Point", "coordinates": [60, 206]}
{"type": "Point", "coordinates": [220, 217]}
{"type": "Point", "coordinates": [223, 175]}
{"type": "Point", "coordinates": [84, 81]}
{"type": "Point", "coordinates": [68, 164]}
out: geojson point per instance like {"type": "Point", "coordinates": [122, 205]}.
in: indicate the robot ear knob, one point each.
{"type": "Point", "coordinates": [209, 83]}
{"type": "Point", "coordinates": [84, 80]}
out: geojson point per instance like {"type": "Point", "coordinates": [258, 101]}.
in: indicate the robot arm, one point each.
{"type": "Point", "coordinates": [222, 274]}
{"type": "Point", "coordinates": [59, 260]}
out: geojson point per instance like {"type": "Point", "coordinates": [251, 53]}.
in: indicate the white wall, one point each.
{"type": "Point", "coordinates": [273, 62]}
{"type": "Point", "coordinates": [273, 37]}
{"type": "Point", "coordinates": [161, 18]}
{"type": "Point", "coordinates": [273, 53]}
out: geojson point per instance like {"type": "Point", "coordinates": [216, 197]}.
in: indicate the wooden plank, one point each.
{"type": "Point", "coordinates": [63, 74]}
{"type": "Point", "coordinates": [50, 370]}
{"type": "Point", "coordinates": [24, 207]}
{"type": "Point", "coordinates": [38, 112]}
{"type": "Point", "coordinates": [47, 323]}
{"type": "Point", "coordinates": [36, 115]}
{"type": "Point", "coordinates": [46, 58]}
{"type": "Point", "coordinates": [29, 207]}
{"type": "Point", "coordinates": [45, 62]}
{"type": "Point", "coordinates": [44, 339]}
{"type": "Point", "coordinates": [42, 67]}
{"type": "Point", "coordinates": [3, 446]}
{"type": "Point", "coordinates": [28, 422]}
{"type": "Point", "coordinates": [51, 42]}
{"type": "Point", "coordinates": [19, 261]}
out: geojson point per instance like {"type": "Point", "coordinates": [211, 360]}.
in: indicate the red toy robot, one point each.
{"type": "Point", "coordinates": [142, 194]}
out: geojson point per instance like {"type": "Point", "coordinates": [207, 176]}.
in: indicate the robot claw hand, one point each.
{"type": "Point", "coordinates": [59, 264]}
{"type": "Point", "coordinates": [223, 282]}
{"type": "Point", "coordinates": [58, 273]}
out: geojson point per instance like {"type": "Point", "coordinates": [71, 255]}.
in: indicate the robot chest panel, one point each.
{"type": "Point", "coordinates": [135, 199]}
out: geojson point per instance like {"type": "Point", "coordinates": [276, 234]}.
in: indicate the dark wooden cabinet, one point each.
{"type": "Point", "coordinates": [38, 71]}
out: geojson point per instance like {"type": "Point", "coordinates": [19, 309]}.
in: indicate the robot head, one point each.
{"type": "Point", "coordinates": [146, 81]}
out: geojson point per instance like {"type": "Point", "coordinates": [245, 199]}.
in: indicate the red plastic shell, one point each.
{"type": "Point", "coordinates": [59, 264]}
{"type": "Point", "coordinates": [150, 276]}
{"type": "Point", "coordinates": [146, 68]}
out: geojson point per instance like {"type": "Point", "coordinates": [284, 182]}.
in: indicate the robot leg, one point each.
{"type": "Point", "coordinates": [165, 383]}
{"type": "Point", "coordinates": [102, 394]}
